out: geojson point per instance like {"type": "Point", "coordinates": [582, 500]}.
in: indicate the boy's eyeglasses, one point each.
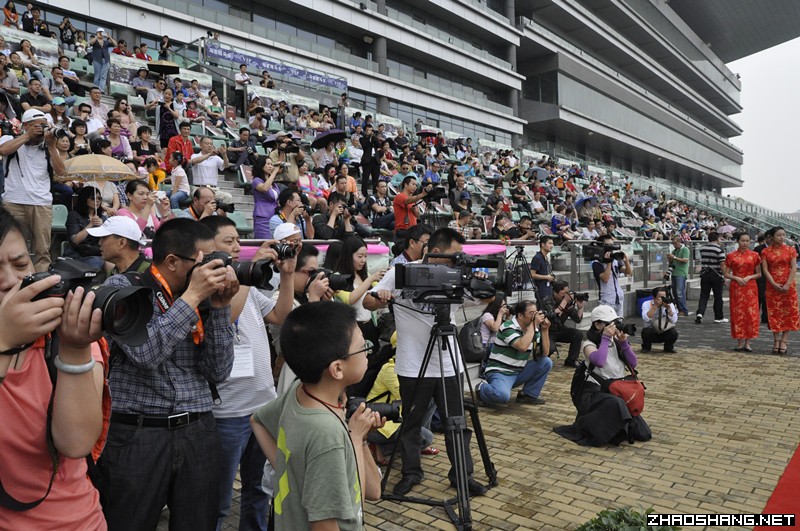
{"type": "Point", "coordinates": [367, 348]}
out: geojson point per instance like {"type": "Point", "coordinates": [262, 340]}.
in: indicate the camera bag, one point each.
{"type": "Point", "coordinates": [470, 343]}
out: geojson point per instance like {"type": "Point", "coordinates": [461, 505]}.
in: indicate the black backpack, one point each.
{"type": "Point", "coordinates": [582, 372]}
{"type": "Point", "coordinates": [470, 342]}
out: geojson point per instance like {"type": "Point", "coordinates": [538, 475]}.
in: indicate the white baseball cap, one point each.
{"type": "Point", "coordinates": [604, 313]}
{"type": "Point", "coordinates": [121, 226]}
{"type": "Point", "coordinates": [31, 115]}
{"type": "Point", "coordinates": [100, 30]}
{"type": "Point", "coordinates": [284, 230]}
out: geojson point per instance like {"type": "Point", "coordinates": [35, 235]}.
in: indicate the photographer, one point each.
{"type": "Point", "coordinates": [120, 240]}
{"type": "Point", "coordinates": [541, 270]}
{"type": "Point", "coordinates": [380, 208]}
{"type": "Point", "coordinates": [340, 222]}
{"type": "Point", "coordinates": [518, 358]}
{"type": "Point", "coordinates": [414, 323]}
{"type": "Point", "coordinates": [405, 206]}
{"type": "Point", "coordinates": [242, 147]}
{"type": "Point", "coordinates": [31, 160]}
{"type": "Point", "coordinates": [247, 390]}
{"type": "Point", "coordinates": [161, 414]}
{"type": "Point", "coordinates": [292, 210]}
{"type": "Point", "coordinates": [606, 274]}
{"type": "Point", "coordinates": [564, 304]}
{"type": "Point", "coordinates": [603, 418]}
{"type": "Point", "coordinates": [413, 247]}
{"type": "Point", "coordinates": [203, 204]}
{"type": "Point", "coordinates": [206, 167]}
{"type": "Point", "coordinates": [659, 316]}
{"type": "Point", "coordinates": [26, 389]}
{"type": "Point", "coordinates": [288, 156]}
{"type": "Point", "coordinates": [677, 273]}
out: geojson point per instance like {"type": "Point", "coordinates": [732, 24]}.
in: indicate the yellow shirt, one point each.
{"type": "Point", "coordinates": [386, 382]}
{"type": "Point", "coordinates": [156, 178]}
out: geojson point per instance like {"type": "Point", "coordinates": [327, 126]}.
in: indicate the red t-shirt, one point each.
{"type": "Point", "coordinates": [25, 464]}
{"type": "Point", "coordinates": [404, 215]}
{"type": "Point", "coordinates": [177, 143]}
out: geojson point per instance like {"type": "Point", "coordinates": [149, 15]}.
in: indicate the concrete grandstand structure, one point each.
{"type": "Point", "coordinates": [636, 85]}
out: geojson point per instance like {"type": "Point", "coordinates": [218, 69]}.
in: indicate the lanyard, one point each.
{"type": "Point", "coordinates": [198, 332]}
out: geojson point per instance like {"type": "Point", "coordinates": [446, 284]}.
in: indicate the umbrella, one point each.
{"type": "Point", "coordinates": [326, 137]}
{"type": "Point", "coordinates": [427, 132]}
{"type": "Point", "coordinates": [90, 168]}
{"type": "Point", "coordinates": [725, 229]}
{"type": "Point", "coordinates": [590, 198]}
{"type": "Point", "coordinates": [510, 173]}
{"type": "Point", "coordinates": [163, 67]}
{"type": "Point", "coordinates": [540, 173]}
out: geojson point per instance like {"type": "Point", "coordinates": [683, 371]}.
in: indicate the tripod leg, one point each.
{"type": "Point", "coordinates": [477, 429]}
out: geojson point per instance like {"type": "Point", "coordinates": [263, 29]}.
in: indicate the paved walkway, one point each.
{"type": "Point", "coordinates": [724, 424]}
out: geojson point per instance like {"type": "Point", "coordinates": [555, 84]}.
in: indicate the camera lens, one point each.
{"type": "Point", "coordinates": [284, 250]}
{"type": "Point", "coordinates": [258, 273]}
{"type": "Point", "coordinates": [126, 312]}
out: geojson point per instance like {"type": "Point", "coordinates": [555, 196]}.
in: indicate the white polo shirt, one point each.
{"type": "Point", "coordinates": [207, 172]}
{"type": "Point", "coordinates": [27, 181]}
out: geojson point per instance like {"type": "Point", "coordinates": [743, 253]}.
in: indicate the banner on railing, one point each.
{"type": "Point", "coordinates": [215, 51]}
{"type": "Point", "coordinates": [123, 69]}
{"type": "Point", "coordinates": [269, 96]}
{"type": "Point", "coordinates": [45, 48]}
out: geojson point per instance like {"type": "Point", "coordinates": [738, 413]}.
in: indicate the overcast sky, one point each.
{"type": "Point", "coordinates": [770, 120]}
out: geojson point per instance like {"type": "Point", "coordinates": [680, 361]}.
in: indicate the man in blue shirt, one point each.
{"type": "Point", "coordinates": [432, 175]}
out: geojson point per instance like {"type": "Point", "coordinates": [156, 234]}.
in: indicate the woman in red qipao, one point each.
{"type": "Point", "coordinates": [742, 267]}
{"type": "Point", "coordinates": [779, 265]}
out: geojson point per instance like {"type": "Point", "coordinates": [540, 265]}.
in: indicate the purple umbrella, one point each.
{"type": "Point", "coordinates": [326, 137]}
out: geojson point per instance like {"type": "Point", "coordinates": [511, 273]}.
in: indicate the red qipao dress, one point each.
{"type": "Point", "coordinates": [782, 309]}
{"type": "Point", "coordinates": [744, 299]}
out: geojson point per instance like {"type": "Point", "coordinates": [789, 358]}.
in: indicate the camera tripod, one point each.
{"type": "Point", "coordinates": [444, 337]}
{"type": "Point", "coordinates": [521, 278]}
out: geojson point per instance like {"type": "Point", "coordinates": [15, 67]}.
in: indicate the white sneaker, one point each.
{"type": "Point", "coordinates": [723, 320]}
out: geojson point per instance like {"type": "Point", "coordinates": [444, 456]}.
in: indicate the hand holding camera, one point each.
{"type": "Point", "coordinates": [210, 279]}
{"type": "Point", "coordinates": [318, 289]}
{"type": "Point", "coordinates": [80, 326]}
{"type": "Point", "coordinates": [23, 320]}
{"type": "Point", "coordinates": [362, 420]}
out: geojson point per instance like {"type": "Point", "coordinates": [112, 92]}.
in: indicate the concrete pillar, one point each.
{"type": "Point", "coordinates": [383, 104]}
{"type": "Point", "coordinates": [379, 54]}
{"type": "Point", "coordinates": [517, 140]}
{"type": "Point", "coordinates": [128, 36]}
{"type": "Point", "coordinates": [510, 13]}
{"type": "Point", "coordinates": [381, 7]}
{"type": "Point", "coordinates": [513, 101]}
{"type": "Point", "coordinates": [511, 57]}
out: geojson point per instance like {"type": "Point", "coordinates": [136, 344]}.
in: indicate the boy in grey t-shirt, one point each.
{"type": "Point", "coordinates": [323, 469]}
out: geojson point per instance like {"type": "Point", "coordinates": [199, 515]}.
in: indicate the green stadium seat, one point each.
{"type": "Point", "coordinates": [274, 126]}
{"type": "Point", "coordinates": [60, 214]}
{"type": "Point", "coordinates": [242, 226]}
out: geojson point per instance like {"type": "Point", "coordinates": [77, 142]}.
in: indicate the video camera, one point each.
{"type": "Point", "coordinates": [389, 410]}
{"type": "Point", "coordinates": [597, 251]}
{"type": "Point", "coordinates": [436, 193]}
{"type": "Point", "coordinates": [257, 273]}
{"type": "Point", "coordinates": [289, 146]}
{"type": "Point", "coordinates": [126, 311]}
{"type": "Point", "coordinates": [438, 283]}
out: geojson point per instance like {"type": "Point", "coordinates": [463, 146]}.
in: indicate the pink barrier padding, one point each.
{"type": "Point", "coordinates": [477, 249]}
{"type": "Point", "coordinates": [248, 252]}
{"type": "Point", "coordinates": [372, 248]}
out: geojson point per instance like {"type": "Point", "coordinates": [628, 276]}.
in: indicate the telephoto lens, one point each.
{"type": "Point", "coordinates": [284, 250]}
{"type": "Point", "coordinates": [389, 410]}
{"type": "Point", "coordinates": [258, 273]}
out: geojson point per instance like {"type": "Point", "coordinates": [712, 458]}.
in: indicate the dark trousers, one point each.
{"type": "Point", "coordinates": [75, 88]}
{"type": "Point", "coordinates": [384, 222]}
{"type": "Point", "coordinates": [239, 103]}
{"type": "Point", "coordinates": [650, 336]}
{"type": "Point", "coordinates": [145, 469]}
{"type": "Point", "coordinates": [762, 298]}
{"type": "Point", "coordinates": [711, 281]}
{"type": "Point", "coordinates": [416, 395]}
{"type": "Point", "coordinates": [568, 335]}
{"type": "Point", "coordinates": [370, 173]}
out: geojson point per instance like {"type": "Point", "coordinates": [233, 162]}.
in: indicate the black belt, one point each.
{"type": "Point", "coordinates": [178, 420]}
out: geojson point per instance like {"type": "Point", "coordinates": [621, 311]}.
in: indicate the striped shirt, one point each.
{"type": "Point", "coordinates": [711, 257]}
{"type": "Point", "coordinates": [504, 358]}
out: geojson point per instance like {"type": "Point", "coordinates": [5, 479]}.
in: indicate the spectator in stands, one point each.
{"type": "Point", "coordinates": [191, 351]}
{"type": "Point", "coordinates": [57, 117]}
{"type": "Point", "coordinates": [412, 248]}
{"type": "Point", "coordinates": [455, 192]}
{"type": "Point", "coordinates": [325, 155]}
{"type": "Point", "coordinates": [143, 148]}
{"type": "Point", "coordinates": [126, 117]}
{"type": "Point", "coordinates": [242, 147]}
{"type": "Point", "coordinates": [99, 109]}
{"type": "Point", "coordinates": [179, 104]}
{"type": "Point", "coordinates": [180, 181]}
{"type": "Point", "coordinates": [155, 174]}
{"type": "Point", "coordinates": [518, 357]}
{"type": "Point", "coordinates": [242, 79]}
{"type": "Point", "coordinates": [17, 67]}
{"type": "Point", "coordinates": [370, 159]}
{"type": "Point", "coordinates": [679, 266]}
{"type": "Point", "coordinates": [86, 215]}
{"type": "Point", "coordinates": [711, 258]}
{"type": "Point", "coordinates": [288, 162]}
{"type": "Point", "coordinates": [207, 165]}
{"type": "Point", "coordinates": [290, 120]}
{"type": "Point", "coordinates": [292, 210]}
{"type": "Point", "coordinates": [314, 195]}
{"type": "Point", "coordinates": [56, 86]}
{"type": "Point", "coordinates": [433, 175]}
{"type": "Point", "coordinates": [120, 147]}
{"type": "Point", "coordinates": [338, 223]}
{"type": "Point", "coordinates": [167, 119]}
{"type": "Point", "coordinates": [659, 322]}
{"type": "Point", "coordinates": [9, 83]}
{"type": "Point", "coordinates": [589, 231]}
{"type": "Point", "coordinates": [27, 194]}
{"type": "Point", "coordinates": [74, 418]}
{"type": "Point", "coordinates": [122, 49]}
{"type": "Point", "coordinates": [779, 265]}
{"type": "Point", "coordinates": [79, 141]}
{"type": "Point", "coordinates": [215, 112]}
{"type": "Point", "coordinates": [101, 60]}
{"type": "Point", "coordinates": [143, 53]}
{"type": "Point", "coordinates": [30, 60]}
{"type": "Point", "coordinates": [541, 270]}
{"type": "Point", "coordinates": [164, 48]}
{"type": "Point", "coordinates": [265, 196]}
{"type": "Point", "coordinates": [203, 204]}
{"type": "Point", "coordinates": [120, 239]}
{"type": "Point", "coordinates": [380, 208]}
{"type": "Point", "coordinates": [11, 17]}
{"type": "Point", "coordinates": [266, 80]}
{"type": "Point", "coordinates": [495, 202]}
{"type": "Point", "coordinates": [80, 44]}
{"type": "Point", "coordinates": [405, 206]}
{"type": "Point", "coordinates": [31, 20]}
{"type": "Point", "coordinates": [560, 225]}
{"type": "Point", "coordinates": [155, 96]}
{"type": "Point", "coordinates": [141, 84]}
{"type": "Point", "coordinates": [243, 392]}
{"type": "Point", "coordinates": [607, 273]}
{"type": "Point", "coordinates": [560, 306]}
{"type": "Point", "coordinates": [145, 208]}
{"type": "Point", "coordinates": [464, 225]}
{"type": "Point", "coordinates": [35, 99]}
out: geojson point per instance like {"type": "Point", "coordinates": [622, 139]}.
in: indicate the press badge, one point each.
{"type": "Point", "coordinates": [243, 365]}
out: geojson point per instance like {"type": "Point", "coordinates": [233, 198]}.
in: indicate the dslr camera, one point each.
{"type": "Point", "coordinates": [667, 300]}
{"type": "Point", "coordinates": [625, 328]}
{"type": "Point", "coordinates": [126, 311]}
{"type": "Point", "coordinates": [226, 207]}
{"type": "Point", "coordinates": [579, 297]}
{"type": "Point", "coordinates": [288, 145]}
{"type": "Point", "coordinates": [390, 410]}
{"type": "Point", "coordinates": [256, 273]}
{"type": "Point", "coordinates": [336, 281]}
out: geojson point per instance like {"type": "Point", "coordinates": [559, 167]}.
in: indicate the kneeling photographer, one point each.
{"type": "Point", "coordinates": [26, 388]}
{"type": "Point", "coordinates": [659, 316]}
{"type": "Point", "coordinates": [562, 305]}
{"type": "Point", "coordinates": [604, 418]}
{"type": "Point", "coordinates": [164, 388]}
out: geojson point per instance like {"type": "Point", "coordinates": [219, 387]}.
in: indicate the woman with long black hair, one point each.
{"type": "Point", "coordinates": [87, 214]}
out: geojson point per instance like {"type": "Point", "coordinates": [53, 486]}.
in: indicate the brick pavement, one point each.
{"type": "Point", "coordinates": [724, 425]}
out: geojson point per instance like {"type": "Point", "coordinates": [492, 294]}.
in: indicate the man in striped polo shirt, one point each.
{"type": "Point", "coordinates": [711, 257]}
{"type": "Point", "coordinates": [518, 357]}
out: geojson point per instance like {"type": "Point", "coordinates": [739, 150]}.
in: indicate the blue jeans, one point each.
{"type": "Point", "coordinates": [101, 74]}
{"type": "Point", "coordinates": [240, 450]}
{"type": "Point", "coordinates": [175, 198]}
{"type": "Point", "coordinates": [679, 292]}
{"type": "Point", "coordinates": [531, 377]}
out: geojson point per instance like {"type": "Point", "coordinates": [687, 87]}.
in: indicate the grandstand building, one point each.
{"type": "Point", "coordinates": [637, 85]}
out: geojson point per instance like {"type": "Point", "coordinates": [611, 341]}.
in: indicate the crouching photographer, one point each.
{"type": "Point", "coordinates": [559, 307]}
{"type": "Point", "coordinates": [659, 316]}
{"type": "Point", "coordinates": [44, 499]}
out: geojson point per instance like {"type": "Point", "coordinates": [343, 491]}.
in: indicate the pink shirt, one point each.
{"type": "Point", "coordinates": [153, 220]}
{"type": "Point", "coordinates": [25, 464]}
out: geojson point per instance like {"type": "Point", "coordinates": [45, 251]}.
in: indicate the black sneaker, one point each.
{"type": "Point", "coordinates": [670, 351]}
{"type": "Point", "coordinates": [405, 485]}
{"type": "Point", "coordinates": [475, 488]}
{"type": "Point", "coordinates": [698, 318]}
{"type": "Point", "coordinates": [645, 350]}
{"type": "Point", "coordinates": [522, 398]}
{"type": "Point", "coordinates": [570, 363]}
